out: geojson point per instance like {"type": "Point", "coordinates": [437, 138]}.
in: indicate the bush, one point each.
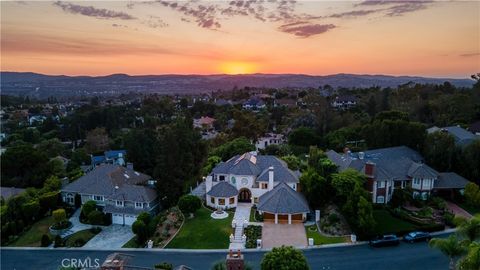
{"type": "Point", "coordinates": [333, 218]}
{"type": "Point", "coordinates": [61, 225]}
{"type": "Point", "coordinates": [145, 217]}
{"type": "Point", "coordinates": [438, 203]}
{"type": "Point", "coordinates": [449, 219]}
{"type": "Point", "coordinates": [59, 215]}
{"type": "Point", "coordinates": [164, 266]}
{"type": "Point", "coordinates": [59, 242]}
{"type": "Point", "coordinates": [284, 258]}
{"type": "Point", "coordinates": [95, 217]}
{"type": "Point", "coordinates": [88, 207]}
{"type": "Point", "coordinates": [189, 204]}
{"type": "Point", "coordinates": [46, 241]}
{"type": "Point", "coordinates": [140, 229]}
{"type": "Point", "coordinates": [253, 233]}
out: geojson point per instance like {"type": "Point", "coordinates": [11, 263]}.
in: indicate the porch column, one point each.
{"type": "Point", "coordinates": [289, 218]}
{"type": "Point", "coordinates": [276, 219]}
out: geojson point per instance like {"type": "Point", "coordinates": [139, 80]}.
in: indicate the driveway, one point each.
{"type": "Point", "coordinates": [276, 235]}
{"type": "Point", "coordinates": [458, 211]}
{"type": "Point", "coordinates": [111, 237]}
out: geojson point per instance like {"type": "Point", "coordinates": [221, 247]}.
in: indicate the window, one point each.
{"type": "Point", "coordinates": [380, 184]}
{"type": "Point", "coordinates": [119, 203]}
{"type": "Point", "coordinates": [233, 180]}
{"type": "Point", "coordinates": [380, 199]}
{"type": "Point", "coordinates": [416, 181]}
{"type": "Point", "coordinates": [264, 186]}
{"type": "Point", "coordinates": [221, 201]}
{"type": "Point", "coordinates": [232, 200]}
{"type": "Point", "coordinates": [255, 199]}
{"type": "Point", "coordinates": [212, 200]}
{"type": "Point", "coordinates": [222, 177]}
{"type": "Point", "coordinates": [138, 205]}
{"type": "Point", "coordinates": [98, 198]}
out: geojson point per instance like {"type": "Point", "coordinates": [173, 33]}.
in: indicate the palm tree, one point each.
{"type": "Point", "coordinates": [470, 229]}
{"type": "Point", "coordinates": [471, 261]}
{"type": "Point", "coordinates": [450, 247]}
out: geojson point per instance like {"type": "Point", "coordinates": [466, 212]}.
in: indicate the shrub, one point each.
{"type": "Point", "coordinates": [89, 207]}
{"type": "Point", "coordinates": [333, 218]}
{"type": "Point", "coordinates": [95, 217]}
{"type": "Point", "coordinates": [59, 242]}
{"type": "Point", "coordinates": [459, 220]}
{"type": "Point", "coordinates": [449, 219]}
{"type": "Point", "coordinates": [438, 203]}
{"type": "Point", "coordinates": [472, 194]}
{"type": "Point", "coordinates": [164, 266]}
{"type": "Point", "coordinates": [46, 241]}
{"type": "Point", "coordinates": [145, 217]}
{"type": "Point", "coordinates": [189, 204]}
{"type": "Point", "coordinates": [59, 215]}
{"type": "Point", "coordinates": [140, 229]}
{"type": "Point", "coordinates": [284, 258]}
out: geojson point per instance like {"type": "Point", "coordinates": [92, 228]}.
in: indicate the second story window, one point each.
{"type": "Point", "coordinates": [98, 198]}
{"type": "Point", "coordinates": [138, 205]}
{"type": "Point", "coordinates": [119, 203]}
{"type": "Point", "coordinates": [264, 186]}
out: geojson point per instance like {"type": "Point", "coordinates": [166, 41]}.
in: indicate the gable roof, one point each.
{"type": "Point", "coordinates": [257, 165]}
{"type": "Point", "coordinates": [114, 182]}
{"type": "Point", "coordinates": [450, 180]}
{"type": "Point", "coordinates": [223, 189]}
{"type": "Point", "coordinates": [420, 170]}
{"type": "Point", "coordinates": [282, 199]}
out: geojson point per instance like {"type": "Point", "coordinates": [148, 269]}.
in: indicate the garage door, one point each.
{"type": "Point", "coordinates": [120, 218]}
{"type": "Point", "coordinates": [129, 219]}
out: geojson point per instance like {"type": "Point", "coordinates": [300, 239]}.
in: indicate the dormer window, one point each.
{"type": "Point", "coordinates": [138, 205]}
{"type": "Point", "coordinates": [119, 203]}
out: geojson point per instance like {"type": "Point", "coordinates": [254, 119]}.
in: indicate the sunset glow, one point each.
{"type": "Point", "coordinates": [233, 37]}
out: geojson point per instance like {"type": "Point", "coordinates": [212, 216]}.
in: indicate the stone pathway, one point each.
{"type": "Point", "coordinates": [242, 214]}
{"type": "Point", "coordinates": [458, 211]}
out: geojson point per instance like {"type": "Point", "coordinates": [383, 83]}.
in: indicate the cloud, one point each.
{"type": "Point", "coordinates": [93, 12]}
{"type": "Point", "coordinates": [154, 22]}
{"type": "Point", "coordinates": [354, 13]}
{"type": "Point", "coordinates": [470, 54]}
{"type": "Point", "coordinates": [305, 29]}
{"type": "Point", "coordinates": [398, 7]}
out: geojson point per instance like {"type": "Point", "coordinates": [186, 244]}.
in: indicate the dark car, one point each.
{"type": "Point", "coordinates": [417, 237]}
{"type": "Point", "coordinates": [385, 240]}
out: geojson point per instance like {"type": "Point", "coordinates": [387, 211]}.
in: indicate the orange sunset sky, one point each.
{"type": "Point", "coordinates": [427, 38]}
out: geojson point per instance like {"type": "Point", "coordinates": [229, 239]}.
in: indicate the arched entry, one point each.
{"type": "Point", "coordinates": [245, 195]}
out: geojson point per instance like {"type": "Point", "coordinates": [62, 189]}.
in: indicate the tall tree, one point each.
{"type": "Point", "coordinates": [440, 151]}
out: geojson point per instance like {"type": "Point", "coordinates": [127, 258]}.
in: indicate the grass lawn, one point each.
{"type": "Point", "coordinates": [320, 239]}
{"type": "Point", "coordinates": [86, 235]}
{"type": "Point", "coordinates": [132, 243]}
{"type": "Point", "coordinates": [469, 209]}
{"type": "Point", "coordinates": [33, 236]}
{"type": "Point", "coordinates": [386, 223]}
{"type": "Point", "coordinates": [203, 232]}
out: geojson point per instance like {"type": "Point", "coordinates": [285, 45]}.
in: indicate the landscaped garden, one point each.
{"type": "Point", "coordinates": [203, 232]}
{"type": "Point", "coordinates": [253, 233]}
{"type": "Point", "coordinates": [80, 238]}
{"type": "Point", "coordinates": [385, 222]}
{"type": "Point", "coordinates": [320, 239]}
{"type": "Point", "coordinates": [33, 236]}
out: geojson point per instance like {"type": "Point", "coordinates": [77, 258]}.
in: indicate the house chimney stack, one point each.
{"type": "Point", "coordinates": [369, 169]}
{"type": "Point", "coordinates": [270, 178]}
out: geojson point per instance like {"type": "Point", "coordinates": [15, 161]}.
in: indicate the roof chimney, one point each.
{"type": "Point", "coordinates": [361, 155]}
{"type": "Point", "coordinates": [270, 178]}
{"type": "Point", "coordinates": [369, 169]}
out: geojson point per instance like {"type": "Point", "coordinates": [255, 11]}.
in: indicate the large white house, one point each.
{"type": "Point", "coordinates": [262, 180]}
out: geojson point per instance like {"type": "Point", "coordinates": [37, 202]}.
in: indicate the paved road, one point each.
{"type": "Point", "coordinates": [406, 256]}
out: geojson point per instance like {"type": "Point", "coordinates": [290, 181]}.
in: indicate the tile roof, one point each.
{"type": "Point", "coordinates": [397, 163]}
{"type": "Point", "coordinates": [114, 182]}
{"type": "Point", "coordinates": [257, 165]}
{"type": "Point", "coordinates": [450, 180]}
{"type": "Point", "coordinates": [282, 199]}
{"type": "Point", "coordinates": [223, 189]}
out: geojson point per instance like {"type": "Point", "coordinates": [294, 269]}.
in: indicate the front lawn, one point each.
{"type": "Point", "coordinates": [33, 236]}
{"type": "Point", "coordinates": [320, 239]}
{"type": "Point", "coordinates": [203, 232]}
{"type": "Point", "coordinates": [79, 238]}
{"type": "Point", "coordinates": [386, 223]}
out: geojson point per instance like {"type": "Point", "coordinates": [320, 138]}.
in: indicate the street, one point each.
{"type": "Point", "coordinates": [406, 256]}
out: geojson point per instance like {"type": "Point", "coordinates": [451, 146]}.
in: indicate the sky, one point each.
{"type": "Point", "coordinates": [423, 37]}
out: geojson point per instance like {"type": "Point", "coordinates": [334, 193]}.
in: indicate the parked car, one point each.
{"type": "Point", "coordinates": [417, 237]}
{"type": "Point", "coordinates": [385, 240]}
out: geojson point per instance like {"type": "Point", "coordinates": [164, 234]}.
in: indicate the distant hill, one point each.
{"type": "Point", "coordinates": [40, 85]}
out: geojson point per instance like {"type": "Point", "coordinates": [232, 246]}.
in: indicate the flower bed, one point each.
{"type": "Point", "coordinates": [60, 227]}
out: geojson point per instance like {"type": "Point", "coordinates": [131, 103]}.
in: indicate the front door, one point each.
{"type": "Point", "coordinates": [245, 195]}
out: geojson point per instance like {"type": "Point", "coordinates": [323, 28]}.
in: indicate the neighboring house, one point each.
{"type": "Point", "coordinates": [475, 128]}
{"type": "Point", "coordinates": [462, 136]}
{"type": "Point", "coordinates": [204, 123]}
{"type": "Point", "coordinates": [393, 168]}
{"type": "Point", "coordinates": [34, 119]}
{"type": "Point", "coordinates": [269, 139]}
{"type": "Point", "coordinates": [261, 180]}
{"type": "Point", "coordinates": [121, 192]}
{"type": "Point", "coordinates": [8, 192]}
{"type": "Point", "coordinates": [344, 102]}
{"type": "Point", "coordinates": [223, 102]}
{"type": "Point", "coordinates": [285, 102]}
{"type": "Point", "coordinates": [110, 157]}
{"type": "Point", "coordinates": [254, 104]}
